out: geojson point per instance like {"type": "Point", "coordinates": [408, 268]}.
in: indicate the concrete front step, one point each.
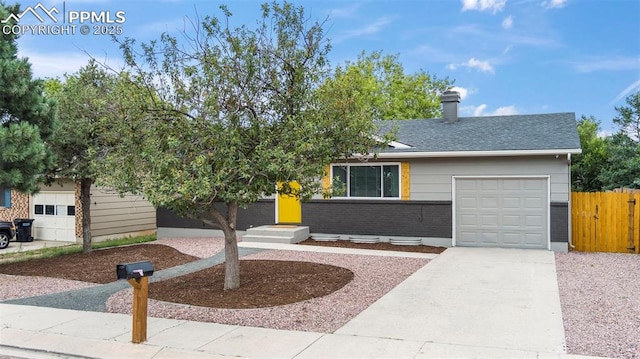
{"type": "Point", "coordinates": [268, 239]}
{"type": "Point", "coordinates": [276, 234]}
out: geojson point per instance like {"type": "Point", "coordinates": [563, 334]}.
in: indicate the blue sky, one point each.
{"type": "Point", "coordinates": [506, 56]}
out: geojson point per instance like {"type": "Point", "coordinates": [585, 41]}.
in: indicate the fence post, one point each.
{"type": "Point", "coordinates": [631, 236]}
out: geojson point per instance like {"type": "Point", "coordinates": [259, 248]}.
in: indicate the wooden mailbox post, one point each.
{"type": "Point", "coordinates": [137, 274]}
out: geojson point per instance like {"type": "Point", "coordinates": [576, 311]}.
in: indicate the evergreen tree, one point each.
{"type": "Point", "coordinates": [26, 117]}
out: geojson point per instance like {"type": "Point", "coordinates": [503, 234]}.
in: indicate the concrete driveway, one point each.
{"type": "Point", "coordinates": [471, 302]}
{"type": "Point", "coordinates": [466, 303]}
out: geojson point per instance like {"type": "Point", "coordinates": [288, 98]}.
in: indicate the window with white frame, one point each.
{"type": "Point", "coordinates": [368, 180]}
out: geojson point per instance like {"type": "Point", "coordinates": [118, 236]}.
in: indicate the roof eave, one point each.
{"type": "Point", "coordinates": [500, 153]}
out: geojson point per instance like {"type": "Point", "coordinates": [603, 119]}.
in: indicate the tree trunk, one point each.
{"type": "Point", "coordinates": [232, 260]}
{"type": "Point", "coordinates": [85, 200]}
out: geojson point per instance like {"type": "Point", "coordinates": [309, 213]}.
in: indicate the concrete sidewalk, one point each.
{"type": "Point", "coordinates": [469, 303]}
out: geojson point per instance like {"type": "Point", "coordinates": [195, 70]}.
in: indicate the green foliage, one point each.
{"type": "Point", "coordinates": [381, 84]}
{"type": "Point", "coordinates": [70, 249]}
{"type": "Point", "coordinates": [611, 162]}
{"type": "Point", "coordinates": [235, 114]}
{"type": "Point", "coordinates": [23, 157]}
{"type": "Point", "coordinates": [26, 118]}
{"type": "Point", "coordinates": [230, 113]}
{"type": "Point", "coordinates": [85, 103]}
{"type": "Point", "coordinates": [622, 169]}
{"type": "Point", "coordinates": [623, 166]}
{"type": "Point", "coordinates": [628, 119]}
{"type": "Point", "coordinates": [586, 167]}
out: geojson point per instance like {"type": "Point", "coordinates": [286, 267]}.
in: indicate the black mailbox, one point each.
{"type": "Point", "coordinates": [134, 270]}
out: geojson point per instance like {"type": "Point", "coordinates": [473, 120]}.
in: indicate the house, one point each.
{"type": "Point", "coordinates": [497, 181]}
{"type": "Point", "coordinates": [58, 215]}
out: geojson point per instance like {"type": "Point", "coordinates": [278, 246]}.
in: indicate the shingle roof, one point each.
{"type": "Point", "coordinates": [491, 133]}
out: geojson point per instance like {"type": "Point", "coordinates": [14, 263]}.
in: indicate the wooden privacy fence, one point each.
{"type": "Point", "coordinates": [605, 222]}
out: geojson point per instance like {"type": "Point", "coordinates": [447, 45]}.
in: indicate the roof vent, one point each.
{"type": "Point", "coordinates": [450, 101]}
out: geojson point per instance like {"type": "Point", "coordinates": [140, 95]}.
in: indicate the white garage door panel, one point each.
{"type": "Point", "coordinates": [54, 216]}
{"type": "Point", "coordinates": [502, 212]}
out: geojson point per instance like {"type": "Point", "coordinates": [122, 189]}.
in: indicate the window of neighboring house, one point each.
{"type": "Point", "coordinates": [5, 197]}
{"type": "Point", "coordinates": [51, 210]}
{"type": "Point", "coordinates": [368, 180]}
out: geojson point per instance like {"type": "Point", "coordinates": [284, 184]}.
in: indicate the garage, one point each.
{"type": "Point", "coordinates": [507, 212]}
{"type": "Point", "coordinates": [54, 214]}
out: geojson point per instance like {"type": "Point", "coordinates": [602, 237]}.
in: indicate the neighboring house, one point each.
{"type": "Point", "coordinates": [497, 181]}
{"type": "Point", "coordinates": [58, 215]}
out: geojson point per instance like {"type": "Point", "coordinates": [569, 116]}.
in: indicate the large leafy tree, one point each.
{"type": "Point", "coordinates": [623, 166]}
{"type": "Point", "coordinates": [587, 166]}
{"type": "Point", "coordinates": [85, 103]}
{"type": "Point", "coordinates": [227, 113]}
{"type": "Point", "coordinates": [628, 119]}
{"type": "Point", "coordinates": [393, 94]}
{"type": "Point", "coordinates": [26, 118]}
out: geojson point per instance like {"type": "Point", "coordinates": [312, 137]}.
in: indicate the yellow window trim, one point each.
{"type": "Point", "coordinates": [405, 178]}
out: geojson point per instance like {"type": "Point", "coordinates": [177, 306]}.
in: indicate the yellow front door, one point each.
{"type": "Point", "coordinates": [288, 208]}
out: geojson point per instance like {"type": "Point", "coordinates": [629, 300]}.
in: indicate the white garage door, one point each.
{"type": "Point", "coordinates": [501, 212]}
{"type": "Point", "coordinates": [54, 214]}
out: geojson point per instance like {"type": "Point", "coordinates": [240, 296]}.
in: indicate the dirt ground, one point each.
{"type": "Point", "coordinates": [384, 246]}
{"type": "Point", "coordinates": [264, 283]}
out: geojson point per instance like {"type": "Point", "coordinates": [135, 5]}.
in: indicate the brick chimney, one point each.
{"type": "Point", "coordinates": [450, 101]}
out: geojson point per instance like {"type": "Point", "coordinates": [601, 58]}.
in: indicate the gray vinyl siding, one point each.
{"type": "Point", "coordinates": [431, 177]}
{"type": "Point", "coordinates": [112, 214]}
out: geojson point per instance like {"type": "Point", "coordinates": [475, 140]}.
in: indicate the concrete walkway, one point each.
{"type": "Point", "coordinates": [469, 303]}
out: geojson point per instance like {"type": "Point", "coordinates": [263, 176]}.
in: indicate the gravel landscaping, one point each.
{"type": "Point", "coordinates": [373, 277]}
{"type": "Point", "coordinates": [599, 294]}
{"type": "Point", "coordinates": [600, 298]}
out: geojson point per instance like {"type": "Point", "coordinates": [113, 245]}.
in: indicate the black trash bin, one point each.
{"type": "Point", "coordinates": [23, 229]}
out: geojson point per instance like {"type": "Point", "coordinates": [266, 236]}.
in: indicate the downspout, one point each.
{"type": "Point", "coordinates": [569, 204]}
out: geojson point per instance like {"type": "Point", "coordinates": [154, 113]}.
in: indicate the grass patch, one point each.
{"type": "Point", "coordinates": [75, 248]}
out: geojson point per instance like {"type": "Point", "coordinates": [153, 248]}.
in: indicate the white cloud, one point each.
{"type": "Point", "coordinates": [478, 111]}
{"type": "Point", "coordinates": [57, 64]}
{"type": "Point", "coordinates": [507, 23]}
{"type": "Point", "coordinates": [554, 4]}
{"type": "Point", "coordinates": [483, 5]}
{"type": "Point", "coordinates": [605, 133]}
{"type": "Point", "coordinates": [624, 93]}
{"type": "Point", "coordinates": [434, 54]}
{"type": "Point", "coordinates": [52, 64]}
{"type": "Point", "coordinates": [483, 66]}
{"type": "Point", "coordinates": [609, 63]}
{"type": "Point", "coordinates": [347, 12]}
{"type": "Point", "coordinates": [536, 38]}
{"type": "Point", "coordinates": [505, 111]}
{"type": "Point", "coordinates": [370, 29]}
{"type": "Point", "coordinates": [462, 91]}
